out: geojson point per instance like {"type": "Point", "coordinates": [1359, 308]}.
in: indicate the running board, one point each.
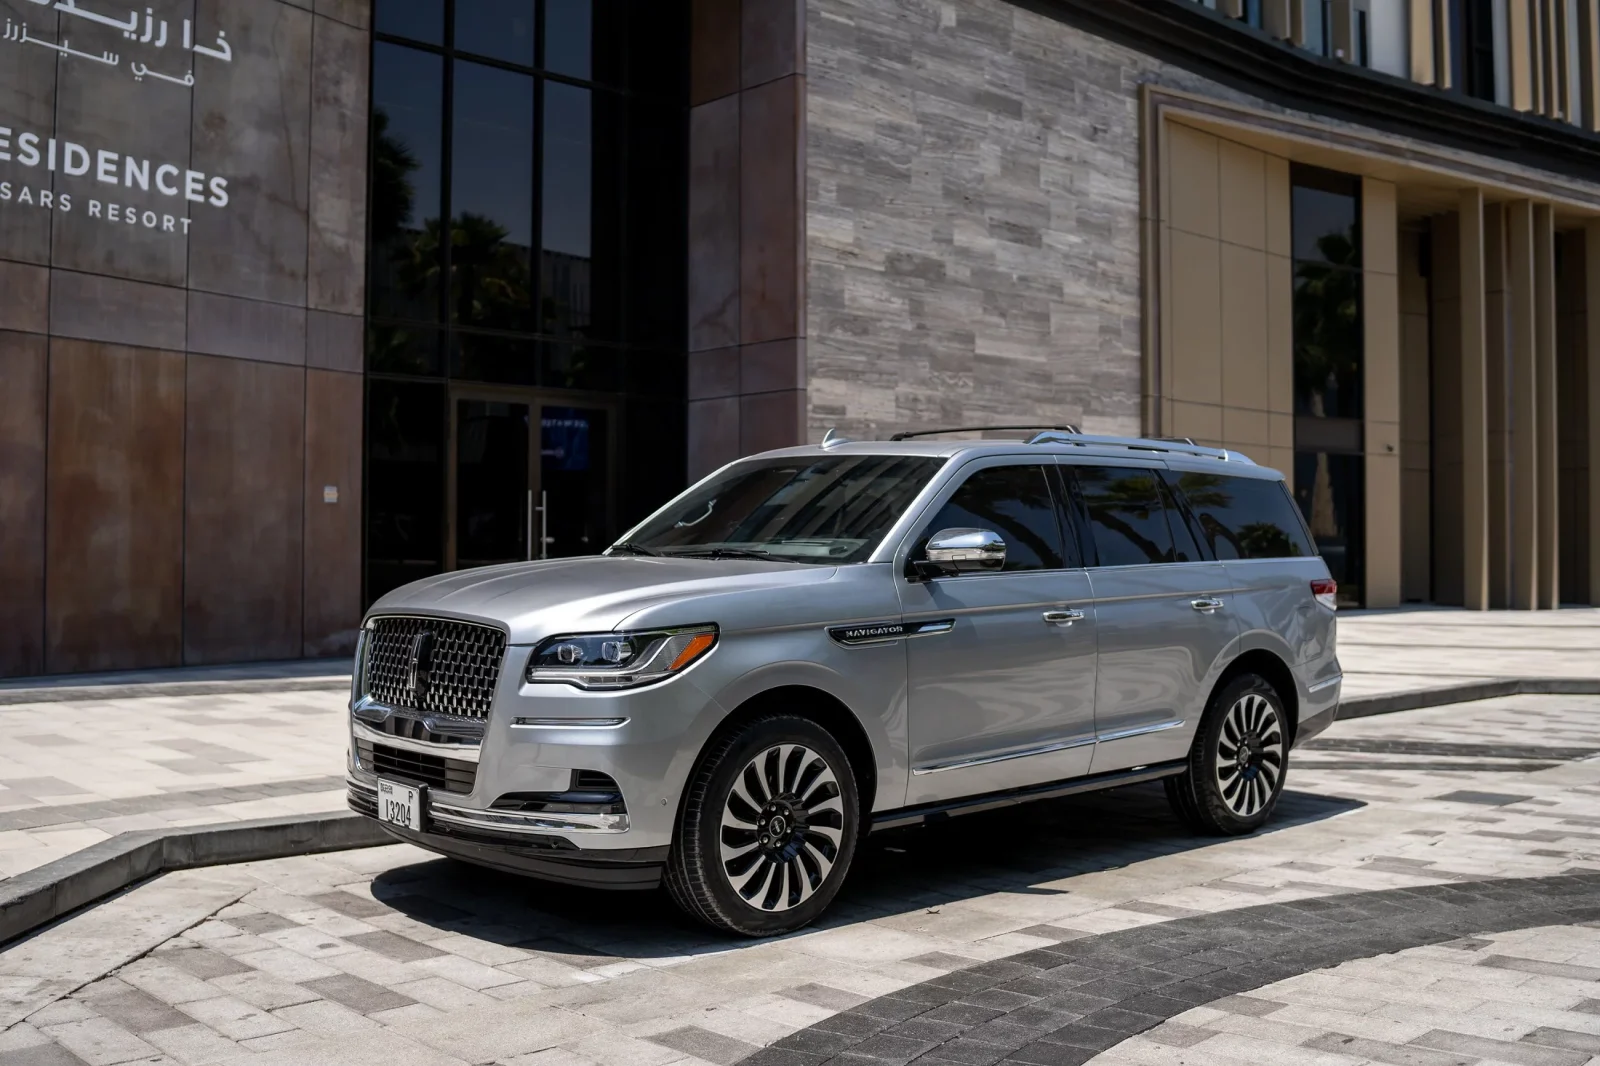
{"type": "Point", "coordinates": [933, 812]}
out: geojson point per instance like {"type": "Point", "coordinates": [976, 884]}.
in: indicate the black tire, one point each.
{"type": "Point", "coordinates": [810, 807]}
{"type": "Point", "coordinates": [1235, 773]}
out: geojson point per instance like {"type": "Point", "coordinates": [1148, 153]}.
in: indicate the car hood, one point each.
{"type": "Point", "coordinates": [593, 593]}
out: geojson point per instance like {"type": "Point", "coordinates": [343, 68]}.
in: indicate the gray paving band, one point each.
{"type": "Point", "coordinates": [143, 690]}
{"type": "Point", "coordinates": [1444, 695]}
{"type": "Point", "coordinates": [40, 896]}
{"type": "Point", "coordinates": [1064, 1004]}
{"type": "Point", "coordinates": [62, 813]}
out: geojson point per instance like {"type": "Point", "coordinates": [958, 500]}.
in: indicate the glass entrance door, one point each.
{"type": "Point", "coordinates": [530, 478]}
{"type": "Point", "coordinates": [490, 487]}
{"type": "Point", "coordinates": [574, 504]}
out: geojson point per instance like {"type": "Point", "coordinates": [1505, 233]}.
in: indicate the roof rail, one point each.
{"type": "Point", "coordinates": [1174, 445]}
{"type": "Point", "coordinates": [978, 429]}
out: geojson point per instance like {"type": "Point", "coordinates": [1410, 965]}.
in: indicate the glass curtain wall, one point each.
{"type": "Point", "coordinates": [1330, 470]}
{"type": "Point", "coordinates": [528, 229]}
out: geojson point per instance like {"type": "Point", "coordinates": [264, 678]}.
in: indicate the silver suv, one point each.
{"type": "Point", "coordinates": [819, 642]}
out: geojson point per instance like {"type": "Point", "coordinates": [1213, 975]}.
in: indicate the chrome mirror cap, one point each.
{"type": "Point", "coordinates": [959, 551]}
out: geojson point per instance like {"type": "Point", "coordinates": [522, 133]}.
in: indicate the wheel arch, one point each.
{"type": "Point", "coordinates": [819, 706]}
{"type": "Point", "coordinates": [1277, 674]}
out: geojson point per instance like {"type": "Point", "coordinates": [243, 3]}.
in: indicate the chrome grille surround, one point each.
{"type": "Point", "coordinates": [465, 668]}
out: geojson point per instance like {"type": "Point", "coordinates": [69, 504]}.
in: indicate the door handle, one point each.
{"type": "Point", "coordinates": [1063, 618]}
{"type": "Point", "coordinates": [1206, 606]}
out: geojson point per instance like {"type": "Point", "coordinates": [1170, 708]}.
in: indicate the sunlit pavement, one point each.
{"type": "Point", "coordinates": [391, 955]}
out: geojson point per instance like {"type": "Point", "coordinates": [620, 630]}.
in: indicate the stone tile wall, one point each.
{"type": "Point", "coordinates": [181, 356]}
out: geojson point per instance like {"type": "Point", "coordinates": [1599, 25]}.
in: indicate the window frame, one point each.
{"type": "Point", "coordinates": [914, 544]}
{"type": "Point", "coordinates": [1169, 501]}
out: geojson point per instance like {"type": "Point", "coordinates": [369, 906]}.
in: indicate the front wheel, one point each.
{"type": "Point", "coordinates": [1238, 761]}
{"type": "Point", "coordinates": [767, 830]}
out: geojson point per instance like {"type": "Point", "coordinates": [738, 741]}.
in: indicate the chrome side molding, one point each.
{"type": "Point", "coordinates": [986, 760]}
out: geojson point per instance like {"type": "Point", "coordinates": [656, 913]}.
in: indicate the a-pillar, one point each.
{"type": "Point", "coordinates": [1524, 391]}
{"type": "Point", "coordinates": [1474, 407]}
{"type": "Point", "coordinates": [1545, 424]}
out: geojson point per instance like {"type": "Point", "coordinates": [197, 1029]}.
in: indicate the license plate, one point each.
{"type": "Point", "coordinates": [400, 804]}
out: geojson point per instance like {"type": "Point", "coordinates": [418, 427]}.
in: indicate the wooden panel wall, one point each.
{"type": "Point", "coordinates": [22, 493]}
{"type": "Point", "coordinates": [244, 473]}
{"type": "Point", "coordinates": [332, 530]}
{"type": "Point", "coordinates": [114, 518]}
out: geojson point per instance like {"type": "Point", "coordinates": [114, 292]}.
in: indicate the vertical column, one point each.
{"type": "Point", "coordinates": [1561, 60]}
{"type": "Point", "coordinates": [1545, 425]}
{"type": "Point", "coordinates": [1445, 460]}
{"type": "Point", "coordinates": [1380, 255]}
{"type": "Point", "coordinates": [1588, 30]}
{"type": "Point", "coordinates": [1539, 54]}
{"type": "Point", "coordinates": [1519, 46]}
{"type": "Point", "coordinates": [1445, 75]}
{"type": "Point", "coordinates": [1524, 409]}
{"type": "Point", "coordinates": [1474, 409]}
{"type": "Point", "coordinates": [746, 229]}
{"type": "Point", "coordinates": [1342, 31]}
{"type": "Point", "coordinates": [1275, 18]}
{"type": "Point", "coordinates": [1231, 8]}
{"type": "Point", "coordinates": [1496, 317]}
{"type": "Point", "coordinates": [1423, 69]}
{"type": "Point", "coordinates": [1592, 415]}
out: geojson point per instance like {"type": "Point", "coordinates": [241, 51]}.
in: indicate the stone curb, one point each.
{"type": "Point", "coordinates": [66, 693]}
{"type": "Point", "coordinates": [38, 897]}
{"type": "Point", "coordinates": [1366, 706]}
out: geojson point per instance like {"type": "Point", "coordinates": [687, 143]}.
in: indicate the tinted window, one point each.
{"type": "Point", "coordinates": [1015, 502]}
{"type": "Point", "coordinates": [1185, 549]}
{"type": "Point", "coordinates": [1126, 515]}
{"type": "Point", "coordinates": [1245, 518]}
{"type": "Point", "coordinates": [502, 29]}
{"type": "Point", "coordinates": [491, 198]}
{"type": "Point", "coordinates": [829, 510]}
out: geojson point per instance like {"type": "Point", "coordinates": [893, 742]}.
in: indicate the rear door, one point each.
{"type": "Point", "coordinates": [1164, 613]}
{"type": "Point", "coordinates": [1000, 673]}
{"type": "Point", "coordinates": [1252, 526]}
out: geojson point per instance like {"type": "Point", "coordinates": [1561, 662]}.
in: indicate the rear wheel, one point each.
{"type": "Point", "coordinates": [1238, 761]}
{"type": "Point", "coordinates": [768, 828]}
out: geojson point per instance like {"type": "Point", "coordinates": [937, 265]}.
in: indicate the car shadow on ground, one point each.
{"type": "Point", "coordinates": [1017, 850]}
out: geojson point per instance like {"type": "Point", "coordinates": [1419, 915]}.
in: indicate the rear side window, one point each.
{"type": "Point", "coordinates": [1015, 502]}
{"type": "Point", "coordinates": [1127, 518]}
{"type": "Point", "coordinates": [1246, 518]}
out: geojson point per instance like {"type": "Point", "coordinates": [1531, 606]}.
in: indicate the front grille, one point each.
{"type": "Point", "coordinates": [464, 668]}
{"type": "Point", "coordinates": [435, 771]}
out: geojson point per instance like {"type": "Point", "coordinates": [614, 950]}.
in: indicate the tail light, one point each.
{"type": "Point", "coordinates": [1326, 590]}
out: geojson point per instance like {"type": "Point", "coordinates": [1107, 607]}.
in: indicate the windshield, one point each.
{"type": "Point", "coordinates": [830, 509]}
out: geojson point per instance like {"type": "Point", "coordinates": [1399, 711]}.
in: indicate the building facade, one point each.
{"type": "Point", "coordinates": [304, 299]}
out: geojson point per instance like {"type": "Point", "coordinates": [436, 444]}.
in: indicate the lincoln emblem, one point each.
{"type": "Point", "coordinates": [421, 666]}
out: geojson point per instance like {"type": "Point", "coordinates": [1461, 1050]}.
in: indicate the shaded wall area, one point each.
{"type": "Point", "coordinates": [180, 337]}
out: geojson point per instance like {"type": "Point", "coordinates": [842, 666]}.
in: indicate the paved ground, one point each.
{"type": "Point", "coordinates": [1084, 927]}
{"type": "Point", "coordinates": [80, 770]}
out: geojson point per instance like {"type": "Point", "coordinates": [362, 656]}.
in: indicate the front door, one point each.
{"type": "Point", "coordinates": [1001, 687]}
{"type": "Point", "coordinates": [530, 477]}
{"type": "Point", "coordinates": [1164, 614]}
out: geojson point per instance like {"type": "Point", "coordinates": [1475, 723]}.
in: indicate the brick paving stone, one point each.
{"type": "Point", "coordinates": [359, 995]}
{"type": "Point", "coordinates": [99, 1041]}
{"type": "Point", "coordinates": [41, 1055]}
{"type": "Point", "coordinates": [233, 1018]}
{"type": "Point", "coordinates": [704, 1044]}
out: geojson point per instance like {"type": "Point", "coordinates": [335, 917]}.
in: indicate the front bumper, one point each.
{"type": "Point", "coordinates": [495, 839]}
{"type": "Point", "coordinates": [510, 796]}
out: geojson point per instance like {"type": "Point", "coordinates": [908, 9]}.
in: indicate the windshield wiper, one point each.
{"type": "Point", "coordinates": [629, 548]}
{"type": "Point", "coordinates": [723, 553]}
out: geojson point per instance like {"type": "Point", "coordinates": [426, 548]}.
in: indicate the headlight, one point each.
{"type": "Point", "coordinates": [620, 660]}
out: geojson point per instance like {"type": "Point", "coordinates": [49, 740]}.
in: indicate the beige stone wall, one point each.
{"type": "Point", "coordinates": [1227, 285]}
{"type": "Point", "coordinates": [1380, 310]}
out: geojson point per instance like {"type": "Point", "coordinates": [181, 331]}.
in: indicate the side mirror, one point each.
{"type": "Point", "coordinates": [963, 551]}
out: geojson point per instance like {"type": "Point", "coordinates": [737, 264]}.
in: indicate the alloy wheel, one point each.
{"type": "Point", "coordinates": [1250, 754]}
{"type": "Point", "coordinates": [782, 825]}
